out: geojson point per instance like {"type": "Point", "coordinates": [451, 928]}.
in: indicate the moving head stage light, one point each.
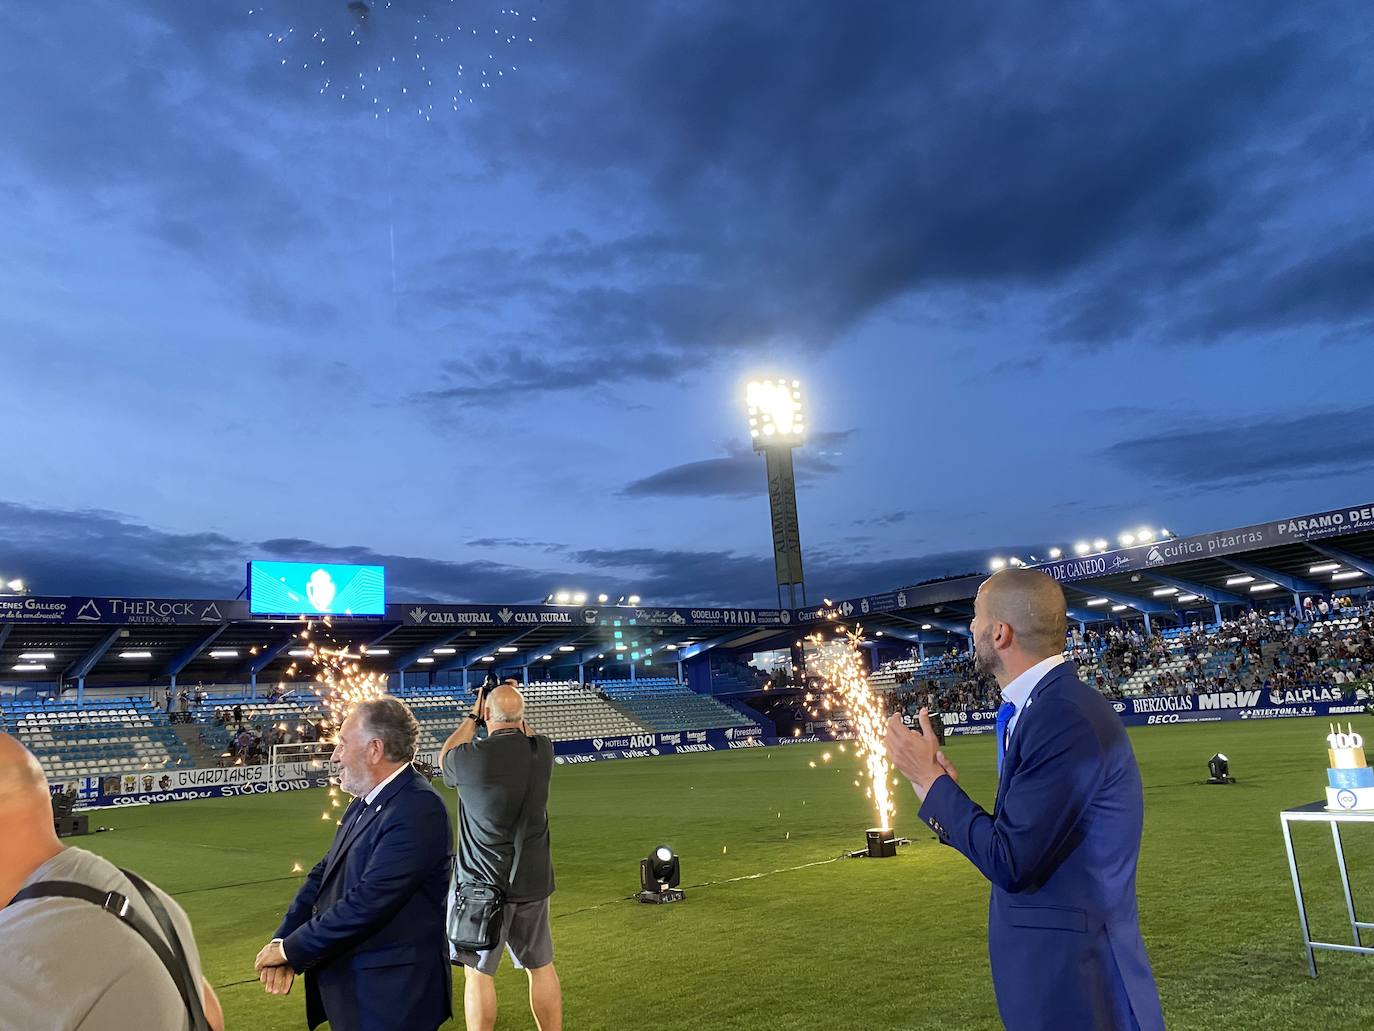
{"type": "Point", "coordinates": [1219, 768]}
{"type": "Point", "coordinates": [659, 877]}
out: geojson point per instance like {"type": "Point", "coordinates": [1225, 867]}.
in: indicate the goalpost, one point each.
{"type": "Point", "coordinates": [299, 762]}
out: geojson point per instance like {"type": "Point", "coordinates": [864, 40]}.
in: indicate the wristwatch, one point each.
{"type": "Point", "coordinates": [475, 718]}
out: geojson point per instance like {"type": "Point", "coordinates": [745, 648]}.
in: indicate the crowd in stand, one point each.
{"type": "Point", "coordinates": [1272, 651]}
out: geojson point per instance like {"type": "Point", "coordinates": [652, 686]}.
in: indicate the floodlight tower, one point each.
{"type": "Point", "coordinates": [776, 427]}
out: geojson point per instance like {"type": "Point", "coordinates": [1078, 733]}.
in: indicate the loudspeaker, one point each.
{"type": "Point", "coordinates": [71, 826]}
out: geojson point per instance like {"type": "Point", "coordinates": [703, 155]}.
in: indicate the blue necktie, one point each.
{"type": "Point", "coordinates": [1004, 715]}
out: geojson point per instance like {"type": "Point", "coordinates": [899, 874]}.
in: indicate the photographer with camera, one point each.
{"type": "Point", "coordinates": [503, 873]}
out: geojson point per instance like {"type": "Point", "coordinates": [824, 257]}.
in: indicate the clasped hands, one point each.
{"type": "Point", "coordinates": [274, 972]}
{"type": "Point", "coordinates": [917, 753]}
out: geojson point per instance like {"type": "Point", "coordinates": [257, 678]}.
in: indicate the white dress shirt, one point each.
{"type": "Point", "coordinates": [1019, 690]}
{"type": "Point", "coordinates": [371, 796]}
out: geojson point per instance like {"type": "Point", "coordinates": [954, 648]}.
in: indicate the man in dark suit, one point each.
{"type": "Point", "coordinates": [1063, 840]}
{"type": "Point", "coordinates": [367, 926]}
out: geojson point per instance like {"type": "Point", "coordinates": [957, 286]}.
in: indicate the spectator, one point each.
{"type": "Point", "coordinates": [80, 967]}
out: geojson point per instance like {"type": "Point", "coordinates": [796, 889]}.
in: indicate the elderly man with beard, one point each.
{"type": "Point", "coordinates": [1063, 839]}
{"type": "Point", "coordinates": [367, 926]}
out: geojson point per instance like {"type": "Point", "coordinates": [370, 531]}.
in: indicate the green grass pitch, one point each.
{"type": "Point", "coordinates": [766, 940]}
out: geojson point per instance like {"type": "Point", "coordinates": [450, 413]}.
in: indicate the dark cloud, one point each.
{"type": "Point", "coordinates": [1332, 288]}
{"type": "Point", "coordinates": [739, 473]}
{"type": "Point", "coordinates": [1255, 450]}
{"type": "Point", "coordinates": [95, 552]}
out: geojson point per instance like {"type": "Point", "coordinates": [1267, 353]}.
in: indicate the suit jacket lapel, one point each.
{"type": "Point", "coordinates": [1012, 758]}
{"type": "Point", "coordinates": [369, 815]}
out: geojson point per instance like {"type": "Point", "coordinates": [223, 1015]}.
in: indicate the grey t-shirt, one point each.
{"type": "Point", "coordinates": [492, 775]}
{"type": "Point", "coordinates": [68, 965]}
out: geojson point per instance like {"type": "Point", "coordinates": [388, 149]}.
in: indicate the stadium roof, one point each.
{"type": "Point", "coordinates": [146, 640]}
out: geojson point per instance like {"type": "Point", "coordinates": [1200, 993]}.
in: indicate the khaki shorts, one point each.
{"type": "Point", "coordinates": [524, 933]}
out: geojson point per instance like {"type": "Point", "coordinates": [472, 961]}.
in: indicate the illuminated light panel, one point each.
{"type": "Point", "coordinates": [1164, 592]}
{"type": "Point", "coordinates": [1098, 601]}
{"type": "Point", "coordinates": [426, 659]}
{"type": "Point", "coordinates": [1325, 567]}
{"type": "Point", "coordinates": [1259, 588]}
{"type": "Point", "coordinates": [1118, 608]}
{"type": "Point", "coordinates": [1354, 574]}
{"type": "Point", "coordinates": [445, 651]}
{"type": "Point", "coordinates": [1236, 581]}
{"type": "Point", "coordinates": [28, 667]}
{"type": "Point", "coordinates": [1188, 597]}
{"type": "Point", "coordinates": [226, 653]}
{"type": "Point", "coordinates": [136, 655]}
{"type": "Point", "coordinates": [37, 656]}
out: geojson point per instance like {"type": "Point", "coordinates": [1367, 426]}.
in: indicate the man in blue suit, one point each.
{"type": "Point", "coordinates": [367, 926]}
{"type": "Point", "coordinates": [1063, 840]}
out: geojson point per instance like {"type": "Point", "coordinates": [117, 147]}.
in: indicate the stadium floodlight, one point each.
{"type": "Point", "coordinates": [633, 599]}
{"type": "Point", "coordinates": [1082, 548]}
{"type": "Point", "coordinates": [136, 655]}
{"type": "Point", "coordinates": [16, 585]}
{"type": "Point", "coordinates": [1126, 539]}
{"type": "Point", "coordinates": [1144, 535]}
{"type": "Point", "coordinates": [579, 598]}
{"type": "Point", "coordinates": [28, 667]}
{"type": "Point", "coordinates": [1165, 534]}
{"type": "Point", "coordinates": [775, 413]}
{"type": "Point", "coordinates": [603, 598]}
{"type": "Point", "coordinates": [1236, 581]}
{"type": "Point", "coordinates": [225, 653]}
{"type": "Point", "coordinates": [1325, 567]}
{"type": "Point", "coordinates": [1350, 574]}
{"type": "Point", "coordinates": [562, 598]}
{"type": "Point", "coordinates": [1100, 544]}
{"type": "Point", "coordinates": [1055, 553]}
{"type": "Point", "coordinates": [997, 563]}
{"type": "Point", "coordinates": [1014, 561]}
{"type": "Point", "coordinates": [1219, 770]}
{"type": "Point", "coordinates": [659, 877]}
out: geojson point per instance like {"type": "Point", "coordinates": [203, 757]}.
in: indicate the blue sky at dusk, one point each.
{"type": "Point", "coordinates": [1046, 273]}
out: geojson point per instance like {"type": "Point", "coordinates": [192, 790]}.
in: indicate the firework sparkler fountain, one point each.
{"type": "Point", "coordinates": [848, 695]}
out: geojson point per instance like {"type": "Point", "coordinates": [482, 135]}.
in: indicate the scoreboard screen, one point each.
{"type": "Point", "coordinates": [316, 588]}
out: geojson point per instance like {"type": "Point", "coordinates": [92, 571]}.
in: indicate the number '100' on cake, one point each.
{"type": "Point", "coordinates": [1349, 780]}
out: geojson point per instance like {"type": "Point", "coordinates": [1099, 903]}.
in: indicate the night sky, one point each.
{"type": "Point", "coordinates": [1046, 272]}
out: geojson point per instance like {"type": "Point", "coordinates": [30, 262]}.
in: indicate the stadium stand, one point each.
{"type": "Point", "coordinates": [663, 704]}
{"type": "Point", "coordinates": [1270, 651]}
{"type": "Point", "coordinates": [128, 737]}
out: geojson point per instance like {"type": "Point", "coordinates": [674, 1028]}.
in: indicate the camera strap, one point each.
{"type": "Point", "coordinates": [168, 951]}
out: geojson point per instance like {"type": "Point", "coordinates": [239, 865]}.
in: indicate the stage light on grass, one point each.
{"type": "Point", "coordinates": [1219, 770]}
{"type": "Point", "coordinates": [659, 876]}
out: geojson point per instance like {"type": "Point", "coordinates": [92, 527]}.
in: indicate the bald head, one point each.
{"type": "Point", "coordinates": [29, 839]}
{"type": "Point", "coordinates": [22, 780]}
{"type": "Point", "coordinates": [1031, 604]}
{"type": "Point", "coordinates": [505, 704]}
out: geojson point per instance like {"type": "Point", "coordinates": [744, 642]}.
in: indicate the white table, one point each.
{"type": "Point", "coordinates": [1316, 812]}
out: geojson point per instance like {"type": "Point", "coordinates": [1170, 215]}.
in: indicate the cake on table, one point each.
{"type": "Point", "coordinates": [1350, 781]}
